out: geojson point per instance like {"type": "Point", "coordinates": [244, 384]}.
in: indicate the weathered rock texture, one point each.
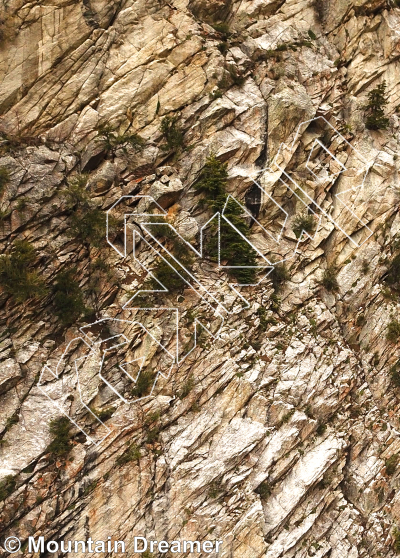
{"type": "Point", "coordinates": [280, 444]}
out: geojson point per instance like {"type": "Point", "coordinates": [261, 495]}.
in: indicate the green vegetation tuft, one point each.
{"type": "Point", "coordinates": [60, 430]}
{"type": "Point", "coordinates": [87, 223]}
{"type": "Point", "coordinates": [222, 28]}
{"type": "Point", "coordinates": [303, 223]}
{"type": "Point", "coordinates": [391, 464]}
{"type": "Point", "coordinates": [68, 298]}
{"type": "Point", "coordinates": [321, 429]}
{"type": "Point", "coordinates": [396, 537]}
{"type": "Point", "coordinates": [329, 280]}
{"type": "Point", "coordinates": [111, 140]}
{"type": "Point", "coordinates": [143, 384]}
{"type": "Point", "coordinates": [103, 414]}
{"type": "Point", "coordinates": [4, 178]}
{"type": "Point", "coordinates": [393, 331]}
{"type": "Point", "coordinates": [17, 278]}
{"type": "Point", "coordinates": [279, 276]}
{"type": "Point", "coordinates": [234, 249]}
{"type": "Point", "coordinates": [187, 387]}
{"type": "Point", "coordinates": [375, 109]}
{"type": "Point", "coordinates": [264, 490]}
{"type": "Point", "coordinates": [131, 454]}
{"type": "Point", "coordinates": [172, 134]}
{"type": "Point", "coordinates": [395, 375]}
{"type": "Point", "coordinates": [7, 487]}
{"type": "Point", "coordinates": [392, 278]}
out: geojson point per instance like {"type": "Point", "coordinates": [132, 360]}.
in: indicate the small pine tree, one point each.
{"type": "Point", "coordinates": [172, 134]}
{"type": "Point", "coordinates": [238, 253]}
{"type": "Point", "coordinates": [68, 298]}
{"type": "Point", "coordinates": [375, 109]}
{"type": "Point", "coordinates": [17, 278]}
{"type": "Point", "coordinates": [212, 181]}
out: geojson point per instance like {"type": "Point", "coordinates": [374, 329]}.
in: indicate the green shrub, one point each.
{"type": "Point", "coordinates": [89, 225]}
{"type": "Point", "coordinates": [396, 536]}
{"type": "Point", "coordinates": [68, 298]}
{"type": "Point", "coordinates": [16, 275]}
{"type": "Point", "coordinates": [187, 387]}
{"type": "Point", "coordinates": [21, 205]}
{"type": "Point", "coordinates": [76, 194]}
{"type": "Point", "coordinates": [172, 134]}
{"type": "Point", "coordinates": [262, 314]}
{"type": "Point", "coordinates": [264, 490]}
{"type": "Point", "coordinates": [222, 28]}
{"type": "Point", "coordinates": [312, 35]}
{"type": "Point", "coordinates": [321, 429]}
{"type": "Point", "coordinates": [375, 109]}
{"type": "Point", "coordinates": [111, 140]}
{"type": "Point", "coordinates": [103, 414]}
{"type": "Point", "coordinates": [223, 47]}
{"type": "Point", "coordinates": [131, 454]}
{"type": "Point", "coordinates": [329, 280]}
{"type": "Point", "coordinates": [14, 419]}
{"type": "Point", "coordinates": [152, 435]}
{"type": "Point", "coordinates": [212, 181]}
{"type": "Point", "coordinates": [233, 248]}
{"type": "Point", "coordinates": [60, 430]}
{"type": "Point", "coordinates": [393, 275]}
{"type": "Point", "coordinates": [391, 464]}
{"type": "Point", "coordinates": [215, 489]}
{"type": "Point", "coordinates": [143, 384]}
{"type": "Point", "coordinates": [4, 178]}
{"type": "Point", "coordinates": [236, 77]}
{"type": "Point", "coordinates": [393, 331]}
{"type": "Point", "coordinates": [163, 271]}
{"type": "Point", "coordinates": [168, 277]}
{"type": "Point", "coordinates": [302, 223]}
{"type": "Point", "coordinates": [395, 375]}
{"type": "Point", "coordinates": [279, 276]}
{"type": "Point", "coordinates": [7, 487]}
{"type": "Point", "coordinates": [87, 222]}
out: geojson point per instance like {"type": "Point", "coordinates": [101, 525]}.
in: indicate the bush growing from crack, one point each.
{"type": "Point", "coordinates": [391, 464]}
{"type": "Point", "coordinates": [172, 134]}
{"type": "Point", "coordinates": [187, 387]}
{"type": "Point", "coordinates": [7, 486]}
{"type": "Point", "coordinates": [392, 278]}
{"type": "Point", "coordinates": [112, 141]}
{"type": "Point", "coordinates": [68, 298]}
{"type": "Point", "coordinates": [60, 430]}
{"type": "Point", "coordinates": [302, 223]}
{"type": "Point", "coordinates": [279, 276]}
{"type": "Point", "coordinates": [87, 223]}
{"type": "Point", "coordinates": [4, 178]}
{"type": "Point", "coordinates": [396, 537]}
{"type": "Point", "coordinates": [223, 29]}
{"type": "Point", "coordinates": [164, 271]}
{"type": "Point", "coordinates": [131, 454]}
{"type": "Point", "coordinates": [143, 384]}
{"type": "Point", "coordinates": [17, 278]}
{"type": "Point", "coordinates": [233, 247]}
{"type": "Point", "coordinates": [264, 490]}
{"type": "Point", "coordinates": [375, 109]}
{"type": "Point", "coordinates": [329, 280]}
{"type": "Point", "coordinates": [393, 331]}
{"type": "Point", "coordinates": [395, 375]}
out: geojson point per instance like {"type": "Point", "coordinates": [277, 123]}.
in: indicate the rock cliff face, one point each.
{"type": "Point", "coordinates": [280, 436]}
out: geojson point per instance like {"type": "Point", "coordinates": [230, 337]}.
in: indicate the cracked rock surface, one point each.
{"type": "Point", "coordinates": [281, 437]}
